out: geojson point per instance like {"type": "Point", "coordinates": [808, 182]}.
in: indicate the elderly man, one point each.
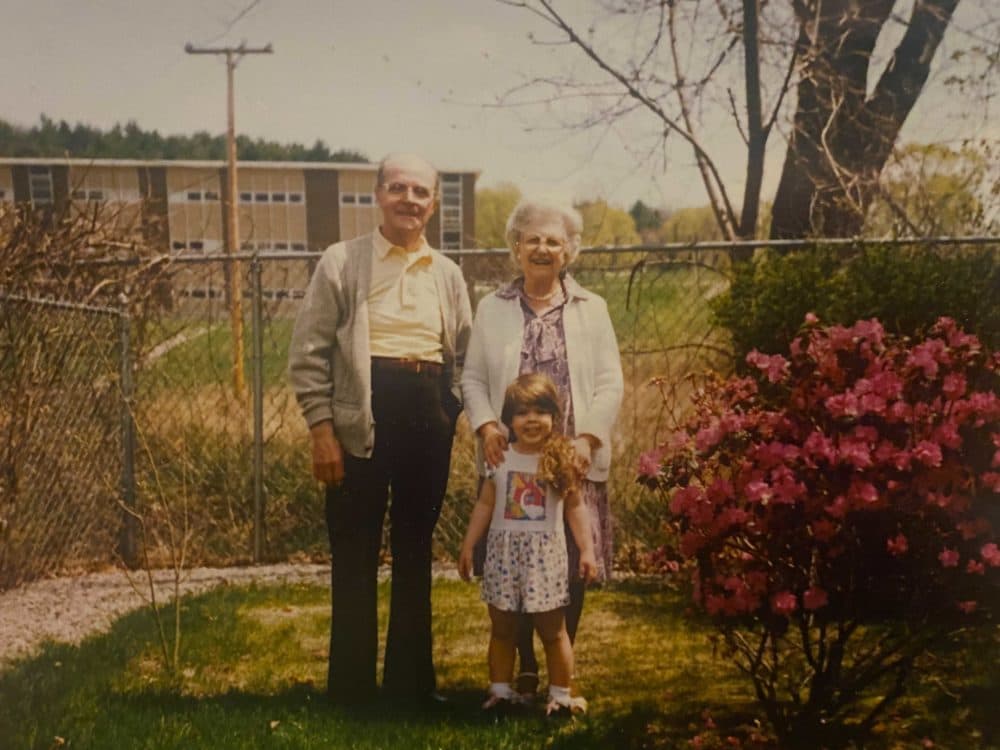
{"type": "Point", "coordinates": [375, 362]}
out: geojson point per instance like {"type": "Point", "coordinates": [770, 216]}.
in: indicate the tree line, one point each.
{"type": "Point", "coordinates": [49, 138]}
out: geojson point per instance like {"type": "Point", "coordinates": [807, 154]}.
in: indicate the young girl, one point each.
{"type": "Point", "coordinates": [526, 567]}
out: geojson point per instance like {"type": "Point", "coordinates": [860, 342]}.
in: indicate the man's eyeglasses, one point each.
{"type": "Point", "coordinates": [401, 188]}
{"type": "Point", "coordinates": [534, 242]}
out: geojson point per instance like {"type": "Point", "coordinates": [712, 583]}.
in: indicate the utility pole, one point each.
{"type": "Point", "coordinates": [233, 271]}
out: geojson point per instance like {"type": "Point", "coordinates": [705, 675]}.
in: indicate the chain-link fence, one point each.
{"type": "Point", "coordinates": [221, 472]}
{"type": "Point", "coordinates": [61, 458]}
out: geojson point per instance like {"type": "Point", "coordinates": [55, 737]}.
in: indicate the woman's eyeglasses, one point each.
{"type": "Point", "coordinates": [534, 242]}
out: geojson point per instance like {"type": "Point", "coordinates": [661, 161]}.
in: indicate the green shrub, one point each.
{"type": "Point", "coordinates": [907, 288]}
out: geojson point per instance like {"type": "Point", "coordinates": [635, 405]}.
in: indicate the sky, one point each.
{"type": "Point", "coordinates": [374, 76]}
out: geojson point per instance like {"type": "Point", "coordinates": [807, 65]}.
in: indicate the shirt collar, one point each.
{"type": "Point", "coordinates": [383, 247]}
{"type": "Point", "coordinates": [512, 290]}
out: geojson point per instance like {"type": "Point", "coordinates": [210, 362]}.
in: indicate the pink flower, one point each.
{"type": "Point", "coordinates": [947, 435]}
{"type": "Point", "coordinates": [928, 453]}
{"type": "Point", "coordinates": [784, 603]}
{"type": "Point", "coordinates": [887, 384]}
{"type": "Point", "coordinates": [720, 490]}
{"type": "Point", "coordinates": [927, 355]}
{"type": "Point", "coordinates": [898, 545]}
{"type": "Point", "coordinates": [968, 607]}
{"type": "Point", "coordinates": [949, 558]}
{"type": "Point", "coordinates": [819, 445]}
{"type": "Point", "coordinates": [775, 366]}
{"type": "Point", "coordinates": [838, 508]}
{"type": "Point", "coordinates": [869, 329]}
{"type": "Point", "coordinates": [991, 555]}
{"type": "Point", "coordinates": [685, 499]}
{"type": "Point", "coordinates": [954, 385]}
{"type": "Point", "coordinates": [649, 463]}
{"type": "Point", "coordinates": [974, 567]}
{"type": "Point", "coordinates": [864, 491]}
{"type": "Point", "coordinates": [814, 597]}
{"type": "Point", "coordinates": [900, 411]}
{"type": "Point", "coordinates": [811, 319]}
{"type": "Point", "coordinates": [991, 479]}
{"type": "Point", "coordinates": [855, 453]}
{"type": "Point", "coordinates": [843, 405]}
{"type": "Point", "coordinates": [708, 437]}
{"type": "Point", "coordinates": [758, 491]}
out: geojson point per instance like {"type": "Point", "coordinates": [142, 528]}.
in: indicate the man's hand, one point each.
{"type": "Point", "coordinates": [327, 455]}
{"type": "Point", "coordinates": [494, 443]}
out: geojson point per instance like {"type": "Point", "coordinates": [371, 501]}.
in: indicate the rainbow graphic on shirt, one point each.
{"type": "Point", "coordinates": [525, 497]}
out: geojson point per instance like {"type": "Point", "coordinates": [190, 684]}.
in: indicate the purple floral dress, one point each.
{"type": "Point", "coordinates": [543, 350]}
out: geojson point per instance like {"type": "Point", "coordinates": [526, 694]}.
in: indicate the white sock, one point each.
{"type": "Point", "coordinates": [559, 694]}
{"type": "Point", "coordinates": [501, 690]}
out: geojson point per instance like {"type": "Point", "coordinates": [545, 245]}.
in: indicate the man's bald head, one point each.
{"type": "Point", "coordinates": [410, 162]}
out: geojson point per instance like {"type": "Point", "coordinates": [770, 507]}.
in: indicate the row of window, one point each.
{"type": "Point", "coordinates": [123, 195]}
{"type": "Point", "coordinates": [270, 246]}
{"type": "Point", "coordinates": [213, 293]}
{"type": "Point", "coordinates": [207, 196]}
{"type": "Point", "coordinates": [360, 199]}
{"type": "Point", "coordinates": [215, 246]}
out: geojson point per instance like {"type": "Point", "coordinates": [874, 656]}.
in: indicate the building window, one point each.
{"type": "Point", "coordinates": [40, 185]}
{"type": "Point", "coordinates": [198, 247]}
{"type": "Point", "coordinates": [348, 199]}
{"type": "Point", "coordinates": [451, 212]}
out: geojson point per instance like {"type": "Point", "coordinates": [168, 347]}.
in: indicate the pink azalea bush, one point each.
{"type": "Point", "coordinates": [837, 511]}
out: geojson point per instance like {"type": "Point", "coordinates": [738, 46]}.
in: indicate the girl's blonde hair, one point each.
{"type": "Point", "coordinates": [556, 466]}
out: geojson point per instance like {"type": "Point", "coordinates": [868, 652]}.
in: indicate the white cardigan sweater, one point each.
{"type": "Point", "coordinates": [595, 370]}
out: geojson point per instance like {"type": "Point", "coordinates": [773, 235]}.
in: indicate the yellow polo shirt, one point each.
{"type": "Point", "coordinates": [404, 310]}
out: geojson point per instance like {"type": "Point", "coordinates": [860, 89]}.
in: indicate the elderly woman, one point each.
{"type": "Point", "coordinates": [545, 322]}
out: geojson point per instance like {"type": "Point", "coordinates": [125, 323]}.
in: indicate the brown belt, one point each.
{"type": "Point", "coordinates": [402, 364]}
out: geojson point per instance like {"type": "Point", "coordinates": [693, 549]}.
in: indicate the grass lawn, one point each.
{"type": "Point", "coordinates": [254, 664]}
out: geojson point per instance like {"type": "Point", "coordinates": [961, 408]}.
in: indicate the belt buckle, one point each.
{"type": "Point", "coordinates": [414, 365]}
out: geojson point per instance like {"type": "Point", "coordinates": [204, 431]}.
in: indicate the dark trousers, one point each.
{"type": "Point", "coordinates": [414, 424]}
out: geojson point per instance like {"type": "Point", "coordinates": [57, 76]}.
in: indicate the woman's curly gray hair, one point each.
{"type": "Point", "coordinates": [528, 211]}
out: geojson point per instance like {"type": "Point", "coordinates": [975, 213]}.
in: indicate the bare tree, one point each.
{"type": "Point", "coordinates": [679, 61]}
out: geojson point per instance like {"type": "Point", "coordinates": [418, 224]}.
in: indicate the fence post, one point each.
{"type": "Point", "coordinates": [258, 409]}
{"type": "Point", "coordinates": [128, 546]}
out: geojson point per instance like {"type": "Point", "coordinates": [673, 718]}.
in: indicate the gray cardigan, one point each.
{"type": "Point", "coordinates": [329, 359]}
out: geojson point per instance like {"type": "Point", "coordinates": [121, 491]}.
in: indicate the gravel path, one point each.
{"type": "Point", "coordinates": [70, 609]}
